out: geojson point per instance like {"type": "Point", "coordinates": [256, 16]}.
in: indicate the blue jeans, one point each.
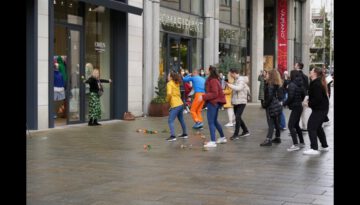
{"type": "Point", "coordinates": [282, 120]}
{"type": "Point", "coordinates": [282, 115]}
{"type": "Point", "coordinates": [212, 114]}
{"type": "Point", "coordinates": [173, 113]}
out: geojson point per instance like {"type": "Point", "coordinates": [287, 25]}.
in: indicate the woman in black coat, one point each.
{"type": "Point", "coordinates": [273, 109]}
{"type": "Point", "coordinates": [296, 94]}
{"type": "Point", "coordinates": [319, 103]}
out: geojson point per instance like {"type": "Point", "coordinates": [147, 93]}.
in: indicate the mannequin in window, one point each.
{"type": "Point", "coordinates": [62, 67]}
{"type": "Point", "coordinates": [59, 90]}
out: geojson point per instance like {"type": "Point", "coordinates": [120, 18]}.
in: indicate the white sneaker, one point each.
{"type": "Point", "coordinates": [210, 144]}
{"type": "Point", "coordinates": [325, 124]}
{"type": "Point", "coordinates": [324, 149]}
{"type": "Point", "coordinates": [229, 125]}
{"type": "Point", "coordinates": [311, 152]}
{"type": "Point", "coordinates": [293, 148]}
{"type": "Point", "coordinates": [221, 140]}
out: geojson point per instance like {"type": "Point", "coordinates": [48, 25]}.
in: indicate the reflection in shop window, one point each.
{"type": "Point", "coordinates": [174, 4]}
{"type": "Point", "coordinates": [68, 11]}
{"type": "Point", "coordinates": [97, 51]}
{"type": "Point", "coordinates": [196, 54]}
{"type": "Point", "coordinates": [225, 10]}
{"type": "Point", "coordinates": [232, 47]}
{"type": "Point", "coordinates": [185, 5]}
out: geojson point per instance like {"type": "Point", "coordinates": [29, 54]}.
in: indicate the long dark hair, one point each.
{"type": "Point", "coordinates": [175, 77]}
{"type": "Point", "coordinates": [213, 72]}
{"type": "Point", "coordinates": [320, 74]}
{"type": "Point", "coordinates": [274, 78]}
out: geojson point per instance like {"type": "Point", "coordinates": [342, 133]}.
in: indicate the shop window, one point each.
{"type": "Point", "coordinates": [197, 7]}
{"type": "Point", "coordinates": [68, 11]}
{"type": "Point", "coordinates": [225, 11]}
{"type": "Point", "coordinates": [185, 5]}
{"type": "Point", "coordinates": [174, 4]}
{"type": "Point", "coordinates": [97, 51]}
{"type": "Point", "coordinates": [197, 53]}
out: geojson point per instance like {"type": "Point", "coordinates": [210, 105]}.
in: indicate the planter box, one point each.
{"type": "Point", "coordinates": [159, 110]}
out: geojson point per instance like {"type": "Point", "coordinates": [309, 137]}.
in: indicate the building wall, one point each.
{"type": "Point", "coordinates": [211, 33]}
{"type": "Point", "coordinates": [257, 45]}
{"type": "Point", "coordinates": [291, 35]}
{"type": "Point", "coordinates": [135, 65]}
{"type": "Point", "coordinates": [43, 64]}
{"type": "Point", "coordinates": [306, 21]}
{"type": "Point", "coordinates": [151, 49]}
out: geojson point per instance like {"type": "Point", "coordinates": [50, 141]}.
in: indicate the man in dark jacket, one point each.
{"type": "Point", "coordinates": [304, 117]}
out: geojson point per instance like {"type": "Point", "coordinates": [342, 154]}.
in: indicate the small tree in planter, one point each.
{"type": "Point", "coordinates": [158, 106]}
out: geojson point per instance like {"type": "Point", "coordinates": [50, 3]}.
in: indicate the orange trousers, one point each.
{"type": "Point", "coordinates": [196, 108]}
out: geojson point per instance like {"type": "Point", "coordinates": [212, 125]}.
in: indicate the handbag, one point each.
{"type": "Point", "coordinates": [275, 107]}
{"type": "Point", "coordinates": [100, 93]}
{"type": "Point", "coordinates": [129, 116]}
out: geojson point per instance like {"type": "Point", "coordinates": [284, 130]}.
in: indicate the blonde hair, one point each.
{"type": "Point", "coordinates": [274, 77]}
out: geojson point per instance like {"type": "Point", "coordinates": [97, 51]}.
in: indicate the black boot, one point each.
{"type": "Point", "coordinates": [267, 142]}
{"type": "Point", "coordinates": [91, 122]}
{"type": "Point", "coordinates": [276, 140]}
{"type": "Point", "coordinates": [96, 122]}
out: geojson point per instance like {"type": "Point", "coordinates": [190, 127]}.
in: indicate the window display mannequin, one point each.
{"type": "Point", "coordinates": [59, 90]}
{"type": "Point", "coordinates": [62, 67]}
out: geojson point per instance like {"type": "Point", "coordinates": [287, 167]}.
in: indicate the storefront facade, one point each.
{"type": "Point", "coordinates": [73, 37]}
{"type": "Point", "coordinates": [134, 49]}
{"type": "Point", "coordinates": [181, 39]}
{"type": "Point", "coordinates": [249, 35]}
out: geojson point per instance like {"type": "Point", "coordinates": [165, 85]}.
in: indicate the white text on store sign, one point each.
{"type": "Point", "coordinates": [181, 23]}
{"type": "Point", "coordinates": [100, 46]}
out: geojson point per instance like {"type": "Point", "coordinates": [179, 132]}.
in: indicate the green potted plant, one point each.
{"type": "Point", "coordinates": [228, 62]}
{"type": "Point", "coordinates": [158, 106]}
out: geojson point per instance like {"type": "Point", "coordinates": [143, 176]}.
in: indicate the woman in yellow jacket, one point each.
{"type": "Point", "coordinates": [228, 106]}
{"type": "Point", "coordinates": [173, 96]}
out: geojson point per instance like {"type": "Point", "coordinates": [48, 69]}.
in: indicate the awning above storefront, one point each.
{"type": "Point", "coordinates": [116, 5]}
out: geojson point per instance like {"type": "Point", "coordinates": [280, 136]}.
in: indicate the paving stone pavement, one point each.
{"type": "Point", "coordinates": [108, 165]}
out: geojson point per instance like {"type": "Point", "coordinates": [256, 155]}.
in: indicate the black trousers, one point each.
{"type": "Point", "coordinates": [293, 125]}
{"type": "Point", "coordinates": [239, 109]}
{"type": "Point", "coordinates": [315, 129]}
{"type": "Point", "coordinates": [273, 123]}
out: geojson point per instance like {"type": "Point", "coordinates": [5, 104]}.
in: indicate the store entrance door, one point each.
{"type": "Point", "coordinates": [178, 53]}
{"type": "Point", "coordinates": [68, 69]}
